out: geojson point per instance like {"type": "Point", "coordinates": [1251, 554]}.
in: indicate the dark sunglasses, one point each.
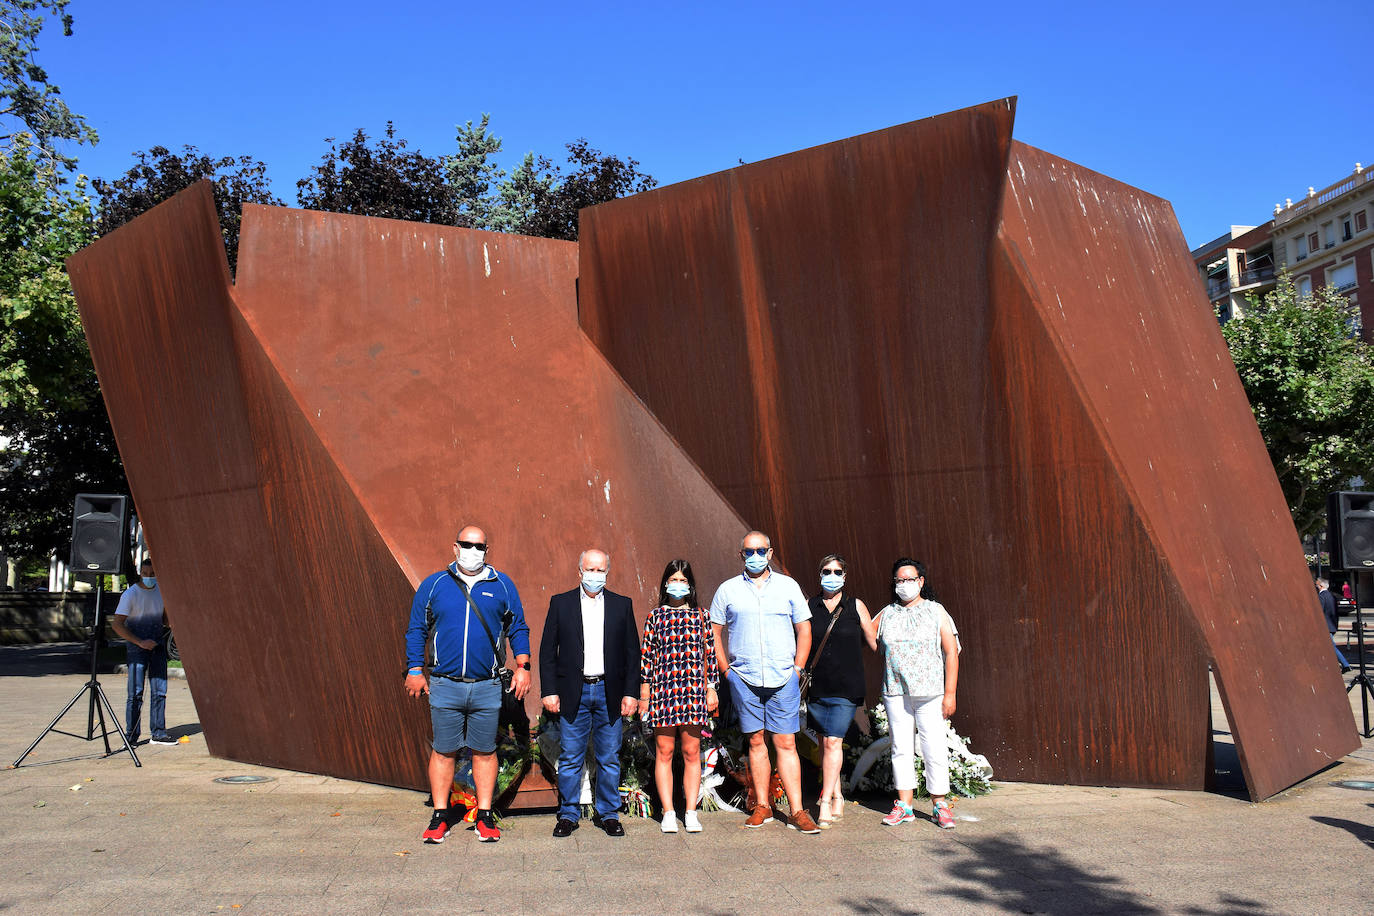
{"type": "Point", "coordinates": [756, 551]}
{"type": "Point", "coordinates": [832, 572]}
{"type": "Point", "coordinates": [470, 545]}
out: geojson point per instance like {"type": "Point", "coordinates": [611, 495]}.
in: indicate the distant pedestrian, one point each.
{"type": "Point", "coordinates": [920, 676]}
{"type": "Point", "coordinates": [1328, 603]}
{"type": "Point", "coordinates": [140, 621]}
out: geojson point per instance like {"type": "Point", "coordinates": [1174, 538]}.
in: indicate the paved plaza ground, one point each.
{"type": "Point", "coordinates": [104, 836]}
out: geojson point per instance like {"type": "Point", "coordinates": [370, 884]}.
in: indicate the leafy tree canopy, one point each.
{"type": "Point", "coordinates": [55, 438]}
{"type": "Point", "coordinates": [1310, 380]}
{"type": "Point", "coordinates": [160, 173]}
{"type": "Point", "coordinates": [29, 102]}
{"type": "Point", "coordinates": [467, 189]}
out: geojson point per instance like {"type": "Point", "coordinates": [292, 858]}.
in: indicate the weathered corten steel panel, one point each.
{"type": "Point", "coordinates": [445, 372]}
{"type": "Point", "coordinates": [288, 666]}
{"type": "Point", "coordinates": [1115, 306]}
{"type": "Point", "coordinates": [307, 443]}
{"type": "Point", "coordinates": [878, 383]}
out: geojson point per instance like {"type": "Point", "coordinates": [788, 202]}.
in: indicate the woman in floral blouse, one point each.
{"type": "Point", "coordinates": [920, 647]}
{"type": "Point", "coordinates": [678, 693]}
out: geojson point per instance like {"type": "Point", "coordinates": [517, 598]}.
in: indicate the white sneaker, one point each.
{"type": "Point", "coordinates": [692, 822]}
{"type": "Point", "coordinates": [669, 822]}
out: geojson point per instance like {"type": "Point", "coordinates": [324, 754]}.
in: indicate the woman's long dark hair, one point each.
{"type": "Point", "coordinates": [926, 591]}
{"type": "Point", "coordinates": [678, 566]}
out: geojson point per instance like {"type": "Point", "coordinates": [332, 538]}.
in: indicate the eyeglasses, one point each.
{"type": "Point", "coordinates": [917, 579]}
{"type": "Point", "coordinates": [832, 572]}
{"type": "Point", "coordinates": [473, 545]}
{"type": "Point", "coordinates": [756, 551]}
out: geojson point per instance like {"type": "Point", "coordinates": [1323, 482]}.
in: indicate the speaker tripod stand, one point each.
{"type": "Point", "coordinates": [95, 712]}
{"type": "Point", "coordinates": [1361, 679]}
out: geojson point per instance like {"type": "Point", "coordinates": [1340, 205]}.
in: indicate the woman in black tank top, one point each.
{"type": "Point", "coordinates": [840, 626]}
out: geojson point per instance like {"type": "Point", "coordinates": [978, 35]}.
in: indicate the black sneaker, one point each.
{"type": "Point", "coordinates": [438, 827]}
{"type": "Point", "coordinates": [164, 739]}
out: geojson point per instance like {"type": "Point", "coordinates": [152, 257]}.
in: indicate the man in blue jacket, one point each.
{"type": "Point", "coordinates": [460, 616]}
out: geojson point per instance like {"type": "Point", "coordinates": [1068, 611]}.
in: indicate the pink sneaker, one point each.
{"type": "Point", "coordinates": [901, 813]}
{"type": "Point", "coordinates": [942, 815]}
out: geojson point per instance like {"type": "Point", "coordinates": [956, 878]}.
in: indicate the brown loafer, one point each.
{"type": "Point", "coordinates": [802, 821]}
{"type": "Point", "coordinates": [761, 815]}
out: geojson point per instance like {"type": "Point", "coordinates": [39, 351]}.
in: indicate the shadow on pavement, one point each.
{"type": "Point", "coordinates": [1362, 832]}
{"type": "Point", "coordinates": [46, 658]}
{"type": "Point", "coordinates": [1005, 875]}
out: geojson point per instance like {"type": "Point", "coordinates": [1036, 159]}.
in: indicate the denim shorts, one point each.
{"type": "Point", "coordinates": [464, 715]}
{"type": "Point", "coordinates": [774, 709]}
{"type": "Point", "coordinates": [832, 715]}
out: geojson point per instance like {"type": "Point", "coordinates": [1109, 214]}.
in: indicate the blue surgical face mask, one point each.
{"type": "Point", "coordinates": [832, 583]}
{"type": "Point", "coordinates": [677, 589]}
{"type": "Point", "coordinates": [149, 581]}
{"type": "Point", "coordinates": [755, 563]}
{"type": "Point", "coordinates": [593, 582]}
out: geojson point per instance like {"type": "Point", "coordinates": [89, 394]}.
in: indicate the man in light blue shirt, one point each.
{"type": "Point", "coordinates": [763, 636]}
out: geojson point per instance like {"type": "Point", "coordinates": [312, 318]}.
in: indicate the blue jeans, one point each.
{"type": "Point", "coordinates": [153, 664]}
{"type": "Point", "coordinates": [1339, 657]}
{"type": "Point", "coordinates": [592, 719]}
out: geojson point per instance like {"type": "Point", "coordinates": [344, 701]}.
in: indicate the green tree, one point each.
{"type": "Point", "coordinates": [55, 438]}
{"type": "Point", "coordinates": [29, 102]}
{"type": "Point", "coordinates": [160, 173]}
{"type": "Point", "coordinates": [384, 178]}
{"type": "Point", "coordinates": [1310, 381]}
{"type": "Point", "coordinates": [544, 200]}
{"type": "Point", "coordinates": [467, 189]}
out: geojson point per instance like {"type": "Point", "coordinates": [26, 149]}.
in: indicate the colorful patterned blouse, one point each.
{"type": "Point", "coordinates": [678, 663]}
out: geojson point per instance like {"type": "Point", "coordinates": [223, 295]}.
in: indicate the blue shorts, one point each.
{"type": "Point", "coordinates": [464, 715]}
{"type": "Point", "coordinates": [832, 715]}
{"type": "Point", "coordinates": [774, 709]}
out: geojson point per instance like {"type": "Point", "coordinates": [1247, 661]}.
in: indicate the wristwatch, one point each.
{"type": "Point", "coordinates": [525, 666]}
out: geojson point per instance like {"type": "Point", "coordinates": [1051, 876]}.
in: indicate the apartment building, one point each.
{"type": "Point", "coordinates": [1325, 239]}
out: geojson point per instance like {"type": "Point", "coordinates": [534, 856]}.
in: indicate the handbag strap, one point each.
{"type": "Point", "coordinates": [496, 648]}
{"type": "Point", "coordinates": [839, 609]}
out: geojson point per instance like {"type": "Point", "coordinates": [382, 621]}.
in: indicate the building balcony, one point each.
{"type": "Point", "coordinates": [1256, 276]}
{"type": "Point", "coordinates": [1218, 289]}
{"type": "Point", "coordinates": [1316, 199]}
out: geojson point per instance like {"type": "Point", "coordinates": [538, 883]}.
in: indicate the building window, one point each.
{"type": "Point", "coordinates": [1342, 277]}
{"type": "Point", "coordinates": [1302, 247]}
{"type": "Point", "coordinates": [1329, 235]}
{"type": "Point", "coordinates": [1360, 222]}
{"type": "Point", "coordinates": [1304, 286]}
{"type": "Point", "coordinates": [1347, 231]}
{"type": "Point", "coordinates": [1313, 242]}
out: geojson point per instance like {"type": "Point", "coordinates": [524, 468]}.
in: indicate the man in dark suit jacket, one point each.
{"type": "Point", "coordinates": [589, 672]}
{"type": "Point", "coordinates": [1328, 602]}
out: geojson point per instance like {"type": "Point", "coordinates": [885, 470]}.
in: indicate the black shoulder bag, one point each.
{"type": "Point", "coordinates": [804, 679]}
{"type": "Point", "coordinates": [512, 710]}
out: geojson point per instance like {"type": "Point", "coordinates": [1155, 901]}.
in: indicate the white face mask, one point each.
{"type": "Point", "coordinates": [908, 590]}
{"type": "Point", "coordinates": [471, 559]}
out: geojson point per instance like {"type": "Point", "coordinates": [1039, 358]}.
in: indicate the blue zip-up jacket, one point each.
{"type": "Point", "coordinates": [458, 645]}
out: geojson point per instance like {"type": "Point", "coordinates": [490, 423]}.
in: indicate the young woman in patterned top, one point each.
{"type": "Point", "coordinates": [920, 647]}
{"type": "Point", "coordinates": [678, 692]}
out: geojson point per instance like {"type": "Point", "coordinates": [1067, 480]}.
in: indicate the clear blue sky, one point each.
{"type": "Point", "coordinates": [1223, 108]}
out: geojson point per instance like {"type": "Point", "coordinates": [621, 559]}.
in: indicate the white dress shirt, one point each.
{"type": "Point", "coordinates": [593, 633]}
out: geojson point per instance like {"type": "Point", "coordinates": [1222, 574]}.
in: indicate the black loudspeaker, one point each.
{"type": "Point", "coordinates": [1350, 530]}
{"type": "Point", "coordinates": [100, 533]}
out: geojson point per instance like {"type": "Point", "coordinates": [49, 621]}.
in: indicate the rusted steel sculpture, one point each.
{"type": "Point", "coordinates": [935, 341]}
{"type": "Point", "coordinates": [929, 340]}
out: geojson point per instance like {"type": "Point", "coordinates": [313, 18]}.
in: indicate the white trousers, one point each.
{"type": "Point", "coordinates": [906, 717]}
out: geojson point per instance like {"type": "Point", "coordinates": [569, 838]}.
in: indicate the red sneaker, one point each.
{"type": "Point", "coordinates": [439, 827]}
{"type": "Point", "coordinates": [487, 831]}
